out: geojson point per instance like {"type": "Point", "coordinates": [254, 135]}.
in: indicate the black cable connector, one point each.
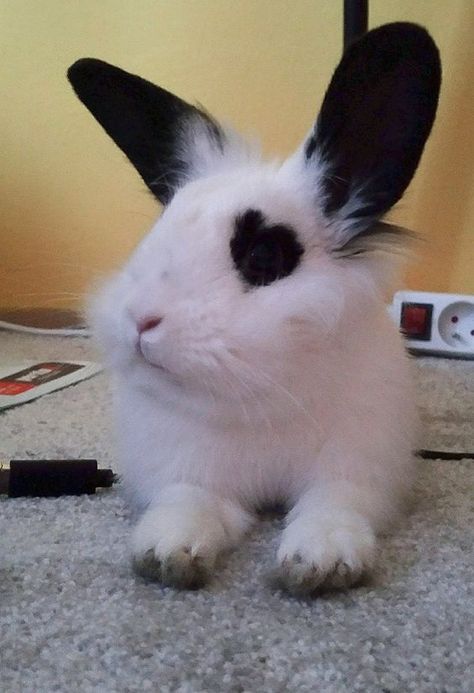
{"type": "Point", "coordinates": [53, 477]}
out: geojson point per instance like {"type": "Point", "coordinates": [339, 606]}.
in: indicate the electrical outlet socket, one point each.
{"type": "Point", "coordinates": [439, 324]}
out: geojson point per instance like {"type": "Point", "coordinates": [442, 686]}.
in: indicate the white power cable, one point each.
{"type": "Point", "coordinates": [58, 332]}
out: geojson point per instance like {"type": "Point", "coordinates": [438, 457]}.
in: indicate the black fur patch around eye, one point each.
{"type": "Point", "coordinates": [263, 253]}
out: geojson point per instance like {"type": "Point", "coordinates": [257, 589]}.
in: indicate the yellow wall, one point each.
{"type": "Point", "coordinates": [70, 204]}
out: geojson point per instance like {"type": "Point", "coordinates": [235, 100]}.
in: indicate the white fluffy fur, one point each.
{"type": "Point", "coordinates": [298, 392]}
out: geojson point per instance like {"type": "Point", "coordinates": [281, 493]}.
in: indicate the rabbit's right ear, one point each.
{"type": "Point", "coordinates": [165, 138]}
{"type": "Point", "coordinates": [376, 116]}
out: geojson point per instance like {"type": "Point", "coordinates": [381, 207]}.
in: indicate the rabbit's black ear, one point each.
{"type": "Point", "coordinates": [154, 128]}
{"type": "Point", "coordinates": [376, 116]}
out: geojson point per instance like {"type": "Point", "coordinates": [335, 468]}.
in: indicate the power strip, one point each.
{"type": "Point", "coordinates": [439, 324]}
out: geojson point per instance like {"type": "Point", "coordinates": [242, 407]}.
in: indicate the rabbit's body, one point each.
{"type": "Point", "coordinates": [257, 434]}
{"type": "Point", "coordinates": [263, 448]}
{"type": "Point", "coordinates": [254, 359]}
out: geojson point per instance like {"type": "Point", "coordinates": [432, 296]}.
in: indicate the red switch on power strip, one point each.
{"type": "Point", "coordinates": [416, 319]}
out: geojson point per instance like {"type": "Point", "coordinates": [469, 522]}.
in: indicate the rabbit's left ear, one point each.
{"type": "Point", "coordinates": [166, 139]}
{"type": "Point", "coordinates": [376, 116]}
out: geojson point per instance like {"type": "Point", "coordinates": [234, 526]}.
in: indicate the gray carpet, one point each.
{"type": "Point", "coordinates": [73, 618]}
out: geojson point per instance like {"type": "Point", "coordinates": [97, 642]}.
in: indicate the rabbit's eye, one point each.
{"type": "Point", "coordinates": [264, 262]}
{"type": "Point", "coordinates": [263, 253]}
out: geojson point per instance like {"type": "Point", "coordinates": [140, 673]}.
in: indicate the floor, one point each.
{"type": "Point", "coordinates": [73, 617]}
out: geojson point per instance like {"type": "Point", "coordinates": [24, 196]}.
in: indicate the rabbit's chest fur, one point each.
{"type": "Point", "coordinates": [268, 450]}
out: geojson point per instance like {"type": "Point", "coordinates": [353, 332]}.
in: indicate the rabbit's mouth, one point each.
{"type": "Point", "coordinates": [141, 351]}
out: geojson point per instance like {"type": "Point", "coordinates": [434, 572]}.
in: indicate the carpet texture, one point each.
{"type": "Point", "coordinates": [73, 618]}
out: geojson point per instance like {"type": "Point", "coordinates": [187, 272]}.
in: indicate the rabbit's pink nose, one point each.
{"type": "Point", "coordinates": [148, 323]}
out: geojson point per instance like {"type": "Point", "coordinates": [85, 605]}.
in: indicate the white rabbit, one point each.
{"type": "Point", "coordinates": [253, 358]}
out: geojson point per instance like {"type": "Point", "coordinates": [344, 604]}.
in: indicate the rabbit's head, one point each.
{"type": "Point", "coordinates": [251, 265]}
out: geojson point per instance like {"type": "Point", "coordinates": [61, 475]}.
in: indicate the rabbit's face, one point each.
{"type": "Point", "coordinates": [251, 266]}
{"type": "Point", "coordinates": [231, 286]}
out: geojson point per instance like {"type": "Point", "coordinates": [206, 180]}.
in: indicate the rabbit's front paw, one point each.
{"type": "Point", "coordinates": [177, 546]}
{"type": "Point", "coordinates": [179, 569]}
{"type": "Point", "coordinates": [331, 556]}
{"type": "Point", "coordinates": [178, 541]}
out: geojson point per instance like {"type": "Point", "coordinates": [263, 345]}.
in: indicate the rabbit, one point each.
{"type": "Point", "coordinates": [254, 361]}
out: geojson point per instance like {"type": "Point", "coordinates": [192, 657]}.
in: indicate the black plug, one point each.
{"type": "Point", "coordinates": [53, 477]}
